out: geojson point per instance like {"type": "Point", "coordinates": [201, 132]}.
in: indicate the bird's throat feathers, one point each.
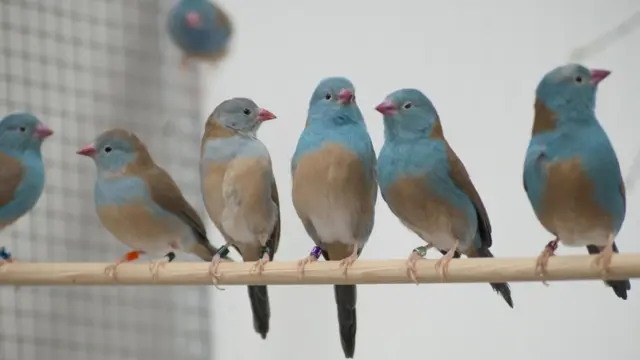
{"type": "Point", "coordinates": [546, 120]}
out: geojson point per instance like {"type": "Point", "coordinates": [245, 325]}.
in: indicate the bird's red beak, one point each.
{"type": "Point", "coordinates": [265, 115]}
{"type": "Point", "coordinates": [42, 131]}
{"type": "Point", "coordinates": [345, 96]}
{"type": "Point", "coordinates": [597, 75]}
{"type": "Point", "coordinates": [88, 150]}
{"type": "Point", "coordinates": [194, 19]}
{"type": "Point", "coordinates": [386, 108]}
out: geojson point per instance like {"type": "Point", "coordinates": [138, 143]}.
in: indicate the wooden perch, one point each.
{"type": "Point", "coordinates": [318, 273]}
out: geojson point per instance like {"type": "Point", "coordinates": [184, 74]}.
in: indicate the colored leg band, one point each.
{"type": "Point", "coordinates": [316, 252]}
{"type": "Point", "coordinates": [421, 250]}
{"type": "Point", "coordinates": [4, 254]}
{"type": "Point", "coordinates": [223, 251]}
{"type": "Point", "coordinates": [264, 250]}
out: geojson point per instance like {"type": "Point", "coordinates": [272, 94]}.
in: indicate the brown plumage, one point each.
{"type": "Point", "coordinates": [233, 190]}
{"type": "Point", "coordinates": [11, 173]}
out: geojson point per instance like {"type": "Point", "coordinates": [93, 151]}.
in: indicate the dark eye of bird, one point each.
{"type": "Point", "coordinates": [107, 149]}
{"type": "Point", "coordinates": [327, 96]}
{"type": "Point", "coordinates": [578, 79]}
{"type": "Point", "coordinates": [408, 105]}
{"type": "Point", "coordinates": [246, 111]}
{"type": "Point", "coordinates": [22, 129]}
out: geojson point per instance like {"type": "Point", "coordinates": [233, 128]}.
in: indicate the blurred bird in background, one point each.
{"type": "Point", "coordinates": [571, 172]}
{"type": "Point", "coordinates": [200, 29]}
{"type": "Point", "coordinates": [240, 192]}
{"type": "Point", "coordinates": [334, 188]}
{"type": "Point", "coordinates": [140, 204]}
{"type": "Point", "coordinates": [428, 188]}
{"type": "Point", "coordinates": [21, 168]}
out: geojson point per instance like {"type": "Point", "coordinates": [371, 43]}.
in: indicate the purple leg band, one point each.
{"type": "Point", "coordinates": [316, 252]}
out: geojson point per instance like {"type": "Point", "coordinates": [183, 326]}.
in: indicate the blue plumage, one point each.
{"type": "Point", "coordinates": [335, 188]}
{"type": "Point", "coordinates": [200, 29]}
{"type": "Point", "coordinates": [571, 172]}
{"type": "Point", "coordinates": [427, 187]}
{"type": "Point", "coordinates": [140, 204]}
{"type": "Point", "coordinates": [23, 175]}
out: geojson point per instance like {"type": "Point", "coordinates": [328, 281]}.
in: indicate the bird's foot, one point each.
{"type": "Point", "coordinates": [213, 269]}
{"type": "Point", "coordinates": [258, 266]}
{"type": "Point", "coordinates": [417, 254]}
{"type": "Point", "coordinates": [347, 262]}
{"type": "Point", "coordinates": [603, 259]}
{"type": "Point", "coordinates": [442, 265]}
{"type": "Point", "coordinates": [314, 255]}
{"type": "Point", "coordinates": [112, 270]}
{"type": "Point", "coordinates": [155, 265]}
{"type": "Point", "coordinates": [543, 260]}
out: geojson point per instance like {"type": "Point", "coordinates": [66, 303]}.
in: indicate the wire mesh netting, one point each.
{"type": "Point", "coordinates": [83, 67]}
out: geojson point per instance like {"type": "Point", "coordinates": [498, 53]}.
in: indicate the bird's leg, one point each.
{"type": "Point", "coordinates": [543, 259]}
{"type": "Point", "coordinates": [603, 259]}
{"type": "Point", "coordinates": [417, 254]}
{"type": "Point", "coordinates": [349, 260]}
{"type": "Point", "coordinates": [112, 270]}
{"type": "Point", "coordinates": [215, 262]}
{"type": "Point", "coordinates": [442, 265]}
{"type": "Point", "coordinates": [314, 255]}
{"type": "Point", "coordinates": [5, 256]}
{"type": "Point", "coordinates": [184, 62]}
{"type": "Point", "coordinates": [265, 257]}
{"type": "Point", "coordinates": [155, 265]}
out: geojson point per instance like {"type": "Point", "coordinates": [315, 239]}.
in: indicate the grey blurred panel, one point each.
{"type": "Point", "coordinates": [84, 67]}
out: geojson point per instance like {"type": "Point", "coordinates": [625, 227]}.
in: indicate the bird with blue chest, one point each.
{"type": "Point", "coordinates": [334, 188]}
{"type": "Point", "coordinates": [22, 176]}
{"type": "Point", "coordinates": [571, 171]}
{"type": "Point", "coordinates": [139, 203]}
{"type": "Point", "coordinates": [200, 29]}
{"type": "Point", "coordinates": [240, 193]}
{"type": "Point", "coordinates": [428, 188]}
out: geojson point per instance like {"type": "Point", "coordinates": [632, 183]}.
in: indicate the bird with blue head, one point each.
{"type": "Point", "coordinates": [23, 173]}
{"type": "Point", "coordinates": [571, 171]}
{"type": "Point", "coordinates": [428, 188]}
{"type": "Point", "coordinates": [334, 188]}
{"type": "Point", "coordinates": [140, 204]}
{"type": "Point", "coordinates": [200, 29]}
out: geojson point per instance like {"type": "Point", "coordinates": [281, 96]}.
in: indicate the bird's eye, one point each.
{"type": "Point", "coordinates": [578, 79]}
{"type": "Point", "coordinates": [107, 149]}
{"type": "Point", "coordinates": [408, 106]}
{"type": "Point", "coordinates": [246, 111]}
{"type": "Point", "coordinates": [22, 129]}
{"type": "Point", "coordinates": [327, 96]}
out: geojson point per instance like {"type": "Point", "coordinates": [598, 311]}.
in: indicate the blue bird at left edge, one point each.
{"type": "Point", "coordinates": [571, 172]}
{"type": "Point", "coordinates": [22, 172]}
{"type": "Point", "coordinates": [200, 29]}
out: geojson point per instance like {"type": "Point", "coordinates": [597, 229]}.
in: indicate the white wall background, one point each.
{"type": "Point", "coordinates": [479, 62]}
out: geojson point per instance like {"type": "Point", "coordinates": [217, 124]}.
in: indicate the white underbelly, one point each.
{"type": "Point", "coordinates": [574, 236]}
{"type": "Point", "coordinates": [334, 224]}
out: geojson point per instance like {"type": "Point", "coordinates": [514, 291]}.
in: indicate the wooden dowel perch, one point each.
{"type": "Point", "coordinates": [321, 272]}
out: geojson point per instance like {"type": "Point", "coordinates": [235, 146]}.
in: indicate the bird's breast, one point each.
{"type": "Point", "coordinates": [332, 189]}
{"type": "Point", "coordinates": [569, 206]}
{"type": "Point", "coordinates": [138, 226]}
{"type": "Point", "coordinates": [434, 214]}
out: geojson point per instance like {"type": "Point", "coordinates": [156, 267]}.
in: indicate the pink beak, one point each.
{"type": "Point", "coordinates": [386, 108]}
{"type": "Point", "coordinates": [193, 19]}
{"type": "Point", "coordinates": [598, 75]}
{"type": "Point", "coordinates": [345, 96]}
{"type": "Point", "coordinates": [265, 115]}
{"type": "Point", "coordinates": [88, 150]}
{"type": "Point", "coordinates": [42, 131]}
